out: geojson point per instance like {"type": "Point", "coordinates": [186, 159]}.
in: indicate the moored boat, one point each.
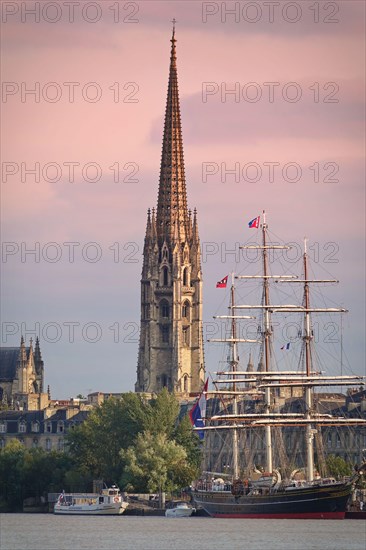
{"type": "Point", "coordinates": [180, 510]}
{"type": "Point", "coordinates": [109, 502]}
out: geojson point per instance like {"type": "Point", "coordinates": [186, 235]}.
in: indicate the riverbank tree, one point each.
{"type": "Point", "coordinates": [30, 473]}
{"type": "Point", "coordinates": [116, 431]}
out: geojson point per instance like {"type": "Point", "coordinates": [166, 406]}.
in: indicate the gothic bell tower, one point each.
{"type": "Point", "coordinates": [171, 344]}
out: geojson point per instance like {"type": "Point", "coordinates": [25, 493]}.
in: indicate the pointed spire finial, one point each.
{"type": "Point", "coordinates": [22, 351]}
{"type": "Point", "coordinates": [37, 350]}
{"type": "Point", "coordinates": [174, 21]}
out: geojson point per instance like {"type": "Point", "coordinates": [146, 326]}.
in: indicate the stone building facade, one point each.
{"type": "Point", "coordinates": [22, 377]}
{"type": "Point", "coordinates": [45, 429]}
{"type": "Point", "coordinates": [171, 344]}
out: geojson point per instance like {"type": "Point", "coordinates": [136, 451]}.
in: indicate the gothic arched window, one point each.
{"type": "Point", "coordinates": [165, 276]}
{"type": "Point", "coordinates": [164, 309]}
{"type": "Point", "coordinates": [185, 310]}
{"type": "Point", "coordinates": [185, 383]}
{"type": "Point", "coordinates": [185, 336]}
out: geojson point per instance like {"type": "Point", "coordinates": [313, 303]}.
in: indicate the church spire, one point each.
{"type": "Point", "coordinates": [172, 196]}
{"type": "Point", "coordinates": [171, 345]}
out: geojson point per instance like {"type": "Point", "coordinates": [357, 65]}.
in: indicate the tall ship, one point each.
{"type": "Point", "coordinates": [275, 401]}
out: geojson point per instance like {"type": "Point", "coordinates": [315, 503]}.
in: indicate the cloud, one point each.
{"type": "Point", "coordinates": [113, 215]}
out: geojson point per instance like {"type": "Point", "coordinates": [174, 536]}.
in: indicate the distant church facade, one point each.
{"type": "Point", "coordinates": [22, 377]}
{"type": "Point", "coordinates": [171, 343]}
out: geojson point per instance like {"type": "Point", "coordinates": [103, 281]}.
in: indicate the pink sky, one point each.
{"type": "Point", "coordinates": [106, 132]}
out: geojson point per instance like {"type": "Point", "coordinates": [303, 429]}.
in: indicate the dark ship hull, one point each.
{"type": "Point", "coordinates": [318, 502]}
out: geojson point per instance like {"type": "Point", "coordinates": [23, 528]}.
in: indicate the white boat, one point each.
{"type": "Point", "coordinates": [180, 510]}
{"type": "Point", "coordinates": [109, 502]}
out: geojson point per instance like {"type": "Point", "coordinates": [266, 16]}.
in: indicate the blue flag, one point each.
{"type": "Point", "coordinates": [198, 412]}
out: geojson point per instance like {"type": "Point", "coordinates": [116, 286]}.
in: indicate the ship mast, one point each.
{"type": "Point", "coordinates": [267, 351]}
{"type": "Point", "coordinates": [234, 362]}
{"type": "Point", "coordinates": [233, 341]}
{"type": "Point", "coordinates": [308, 390]}
{"type": "Point", "coordinates": [267, 332]}
{"type": "Point", "coordinates": [309, 416]}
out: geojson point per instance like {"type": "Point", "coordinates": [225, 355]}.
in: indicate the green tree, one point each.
{"type": "Point", "coordinates": [161, 414]}
{"type": "Point", "coordinates": [156, 463]}
{"type": "Point", "coordinates": [96, 443]}
{"type": "Point", "coordinates": [338, 467]}
{"type": "Point", "coordinates": [11, 486]}
{"type": "Point", "coordinates": [29, 473]}
{"type": "Point", "coordinates": [189, 440]}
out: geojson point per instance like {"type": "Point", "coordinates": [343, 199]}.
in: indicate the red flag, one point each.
{"type": "Point", "coordinates": [222, 283]}
{"type": "Point", "coordinates": [254, 223]}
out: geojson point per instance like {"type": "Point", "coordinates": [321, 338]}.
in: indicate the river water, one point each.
{"type": "Point", "coordinates": [49, 532]}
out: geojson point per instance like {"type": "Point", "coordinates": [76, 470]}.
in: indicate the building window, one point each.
{"type": "Point", "coordinates": [147, 311]}
{"type": "Point", "coordinates": [185, 336]}
{"type": "Point", "coordinates": [48, 444]}
{"type": "Point", "coordinates": [164, 309]}
{"type": "Point", "coordinates": [338, 441]}
{"type": "Point", "coordinates": [22, 427]}
{"type": "Point", "coordinates": [329, 440]}
{"type": "Point", "coordinates": [165, 335]}
{"type": "Point", "coordinates": [49, 427]}
{"type": "Point", "coordinates": [165, 276]}
{"type": "Point", "coordinates": [185, 310]}
{"type": "Point", "coordinates": [35, 427]}
{"type": "Point", "coordinates": [2, 443]}
{"type": "Point", "coordinates": [35, 442]}
{"type": "Point", "coordinates": [146, 292]}
{"type": "Point", "coordinates": [185, 383]}
{"type": "Point", "coordinates": [2, 427]}
{"type": "Point", "coordinates": [60, 445]}
{"type": "Point", "coordinates": [60, 426]}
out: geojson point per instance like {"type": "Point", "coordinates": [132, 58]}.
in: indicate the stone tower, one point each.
{"type": "Point", "coordinates": [22, 377]}
{"type": "Point", "coordinates": [171, 345]}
